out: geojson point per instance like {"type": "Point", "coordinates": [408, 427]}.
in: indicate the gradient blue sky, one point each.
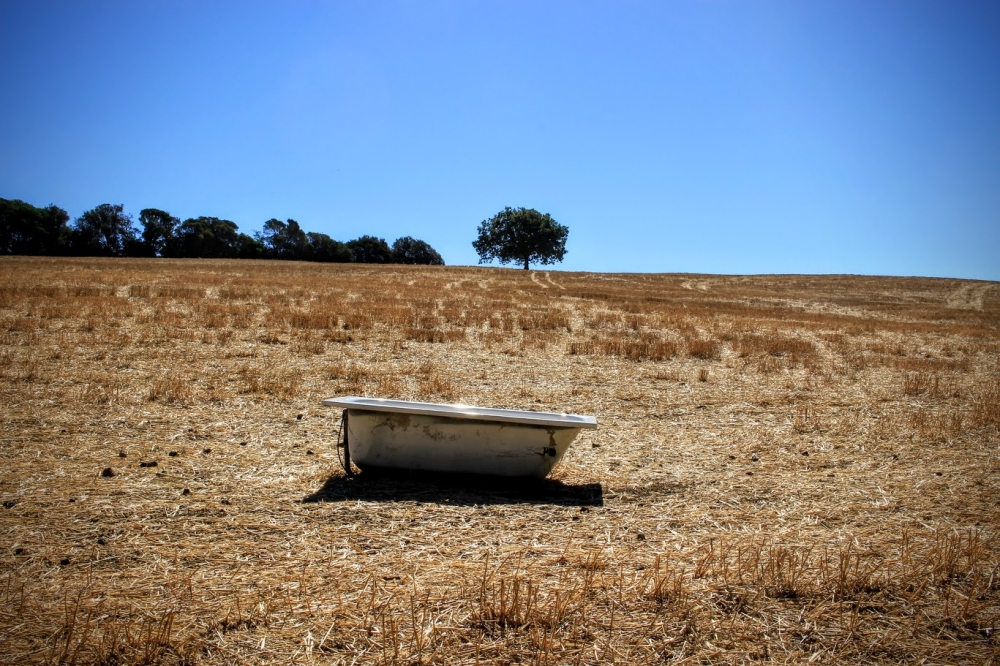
{"type": "Point", "coordinates": [711, 137]}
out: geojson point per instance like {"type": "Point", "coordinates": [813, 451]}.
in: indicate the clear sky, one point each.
{"type": "Point", "coordinates": [711, 137]}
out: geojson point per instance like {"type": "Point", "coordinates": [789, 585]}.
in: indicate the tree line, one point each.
{"type": "Point", "coordinates": [107, 231]}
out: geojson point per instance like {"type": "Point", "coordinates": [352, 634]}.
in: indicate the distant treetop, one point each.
{"type": "Point", "coordinates": [108, 231]}
{"type": "Point", "coordinates": [409, 250]}
{"type": "Point", "coordinates": [25, 229]}
{"type": "Point", "coordinates": [521, 235]}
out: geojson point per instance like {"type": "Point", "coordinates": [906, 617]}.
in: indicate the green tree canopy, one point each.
{"type": "Point", "coordinates": [409, 250]}
{"type": "Point", "coordinates": [107, 230]}
{"type": "Point", "coordinates": [521, 235]}
{"type": "Point", "coordinates": [25, 229]}
{"type": "Point", "coordinates": [206, 238]}
{"type": "Point", "coordinates": [248, 247]}
{"type": "Point", "coordinates": [158, 228]}
{"type": "Point", "coordinates": [104, 231]}
{"type": "Point", "coordinates": [370, 250]}
{"type": "Point", "coordinates": [284, 240]}
{"type": "Point", "coordinates": [324, 248]}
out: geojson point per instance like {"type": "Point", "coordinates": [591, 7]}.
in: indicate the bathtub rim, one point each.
{"type": "Point", "coordinates": [465, 412]}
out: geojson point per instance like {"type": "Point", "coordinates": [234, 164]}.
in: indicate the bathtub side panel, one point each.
{"type": "Point", "coordinates": [417, 442]}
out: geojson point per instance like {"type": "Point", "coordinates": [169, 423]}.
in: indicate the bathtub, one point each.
{"type": "Point", "coordinates": [427, 436]}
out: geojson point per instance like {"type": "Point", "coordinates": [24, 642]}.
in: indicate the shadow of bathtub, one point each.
{"type": "Point", "coordinates": [454, 489]}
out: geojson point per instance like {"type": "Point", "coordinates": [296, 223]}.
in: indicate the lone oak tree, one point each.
{"type": "Point", "coordinates": [521, 235]}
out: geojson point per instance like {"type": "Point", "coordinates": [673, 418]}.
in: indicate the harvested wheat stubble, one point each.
{"type": "Point", "coordinates": [788, 468]}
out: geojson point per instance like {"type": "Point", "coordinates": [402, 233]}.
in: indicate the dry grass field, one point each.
{"type": "Point", "coordinates": [788, 468]}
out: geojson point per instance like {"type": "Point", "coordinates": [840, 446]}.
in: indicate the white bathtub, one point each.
{"type": "Point", "coordinates": [456, 438]}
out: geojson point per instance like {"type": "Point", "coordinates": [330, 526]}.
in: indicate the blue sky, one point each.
{"type": "Point", "coordinates": [711, 137]}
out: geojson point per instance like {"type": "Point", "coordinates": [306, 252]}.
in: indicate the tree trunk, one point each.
{"type": "Point", "coordinates": [525, 264]}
